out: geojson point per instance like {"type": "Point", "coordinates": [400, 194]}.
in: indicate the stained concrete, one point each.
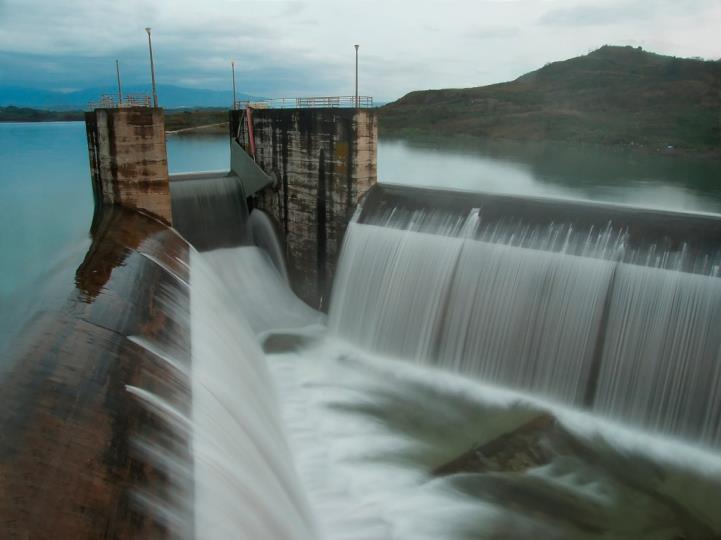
{"type": "Point", "coordinates": [128, 159]}
{"type": "Point", "coordinates": [68, 464]}
{"type": "Point", "coordinates": [321, 162]}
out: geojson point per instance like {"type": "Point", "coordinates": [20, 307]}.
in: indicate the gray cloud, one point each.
{"type": "Point", "coordinates": [493, 32]}
{"type": "Point", "coordinates": [292, 48]}
{"type": "Point", "coordinates": [625, 11]}
{"type": "Point", "coordinates": [589, 15]}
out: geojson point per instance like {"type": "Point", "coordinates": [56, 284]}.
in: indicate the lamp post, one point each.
{"type": "Point", "coordinates": [232, 65]}
{"type": "Point", "coordinates": [357, 103]}
{"type": "Point", "coordinates": [152, 68]}
{"type": "Point", "coordinates": [120, 89]}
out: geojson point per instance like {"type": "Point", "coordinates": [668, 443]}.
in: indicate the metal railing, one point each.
{"type": "Point", "coordinates": [363, 102]}
{"type": "Point", "coordinates": [110, 101]}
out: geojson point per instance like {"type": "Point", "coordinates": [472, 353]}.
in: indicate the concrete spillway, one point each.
{"type": "Point", "coordinates": [610, 308]}
{"type": "Point", "coordinates": [127, 411]}
{"type": "Point", "coordinates": [69, 425]}
{"type": "Point", "coordinates": [148, 399]}
{"type": "Point", "coordinates": [491, 367]}
{"type": "Point", "coordinates": [667, 230]}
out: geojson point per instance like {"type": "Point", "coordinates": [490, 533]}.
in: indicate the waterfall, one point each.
{"type": "Point", "coordinates": [246, 485]}
{"type": "Point", "coordinates": [240, 477]}
{"type": "Point", "coordinates": [263, 234]}
{"type": "Point", "coordinates": [577, 315]}
{"type": "Point", "coordinates": [234, 473]}
{"type": "Point", "coordinates": [210, 212]}
{"type": "Point", "coordinates": [661, 364]}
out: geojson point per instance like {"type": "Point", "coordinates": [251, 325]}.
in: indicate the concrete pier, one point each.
{"type": "Point", "coordinates": [128, 159]}
{"type": "Point", "coordinates": [321, 161]}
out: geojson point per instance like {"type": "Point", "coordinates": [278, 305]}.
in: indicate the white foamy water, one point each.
{"type": "Point", "coordinates": [661, 364]}
{"type": "Point", "coordinates": [235, 477]}
{"type": "Point", "coordinates": [245, 480]}
{"type": "Point", "coordinates": [550, 310]}
{"type": "Point", "coordinates": [368, 432]}
{"type": "Point", "coordinates": [335, 434]}
{"type": "Point", "coordinates": [328, 441]}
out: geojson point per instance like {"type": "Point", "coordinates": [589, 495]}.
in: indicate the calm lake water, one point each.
{"type": "Point", "coordinates": [46, 200]}
{"type": "Point", "coordinates": [46, 206]}
{"type": "Point", "coordinates": [611, 175]}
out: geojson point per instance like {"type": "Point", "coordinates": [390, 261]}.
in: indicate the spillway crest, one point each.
{"type": "Point", "coordinates": [578, 315]}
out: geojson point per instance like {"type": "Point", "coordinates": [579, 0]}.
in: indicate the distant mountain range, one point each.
{"type": "Point", "coordinates": [621, 96]}
{"type": "Point", "coordinates": [169, 97]}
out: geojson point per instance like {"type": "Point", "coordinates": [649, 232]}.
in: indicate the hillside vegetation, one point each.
{"type": "Point", "coordinates": [612, 96]}
{"type": "Point", "coordinates": [25, 114]}
{"type": "Point", "coordinates": [174, 119]}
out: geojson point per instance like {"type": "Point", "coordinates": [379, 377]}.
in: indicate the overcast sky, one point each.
{"type": "Point", "coordinates": [306, 48]}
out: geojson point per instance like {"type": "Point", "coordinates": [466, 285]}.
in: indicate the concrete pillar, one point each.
{"type": "Point", "coordinates": [128, 159]}
{"type": "Point", "coordinates": [321, 161]}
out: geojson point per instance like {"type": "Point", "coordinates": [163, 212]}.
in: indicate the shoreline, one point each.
{"type": "Point", "coordinates": [634, 149]}
{"type": "Point", "coordinates": [220, 128]}
{"type": "Point", "coordinates": [206, 129]}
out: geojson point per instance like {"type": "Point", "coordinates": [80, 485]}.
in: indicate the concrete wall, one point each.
{"type": "Point", "coordinates": [322, 161]}
{"type": "Point", "coordinates": [128, 159]}
{"type": "Point", "coordinates": [70, 467]}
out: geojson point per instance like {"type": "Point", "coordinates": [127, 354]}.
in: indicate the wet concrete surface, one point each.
{"type": "Point", "coordinates": [700, 233]}
{"type": "Point", "coordinates": [68, 468]}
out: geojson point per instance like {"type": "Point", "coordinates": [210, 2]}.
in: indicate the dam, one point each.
{"type": "Point", "coordinates": [294, 349]}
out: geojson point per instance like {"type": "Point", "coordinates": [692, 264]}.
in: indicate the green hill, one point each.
{"type": "Point", "coordinates": [612, 96]}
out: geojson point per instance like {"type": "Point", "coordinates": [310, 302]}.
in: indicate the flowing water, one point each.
{"type": "Point", "coordinates": [210, 211]}
{"type": "Point", "coordinates": [334, 434]}
{"type": "Point", "coordinates": [46, 208]}
{"type": "Point", "coordinates": [235, 420]}
{"type": "Point", "coordinates": [377, 443]}
{"type": "Point", "coordinates": [552, 310]}
{"type": "Point", "coordinates": [471, 381]}
{"type": "Point", "coordinates": [238, 479]}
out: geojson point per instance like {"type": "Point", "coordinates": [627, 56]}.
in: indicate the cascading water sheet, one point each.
{"type": "Point", "coordinates": [389, 293]}
{"type": "Point", "coordinates": [661, 365]}
{"type": "Point", "coordinates": [519, 316]}
{"type": "Point", "coordinates": [210, 212]}
{"type": "Point", "coordinates": [525, 318]}
{"type": "Point", "coordinates": [234, 474]}
{"type": "Point", "coordinates": [553, 310]}
{"type": "Point", "coordinates": [253, 284]}
{"type": "Point", "coordinates": [246, 485]}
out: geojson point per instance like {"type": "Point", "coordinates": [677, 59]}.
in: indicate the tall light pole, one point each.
{"type": "Point", "coordinates": [357, 103]}
{"type": "Point", "coordinates": [152, 68]}
{"type": "Point", "coordinates": [232, 65]}
{"type": "Point", "coordinates": [120, 88]}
